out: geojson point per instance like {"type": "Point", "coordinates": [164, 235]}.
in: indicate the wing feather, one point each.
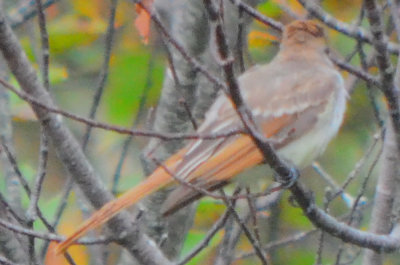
{"type": "Point", "coordinates": [284, 104]}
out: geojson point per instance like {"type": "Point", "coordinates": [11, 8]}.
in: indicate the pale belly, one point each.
{"type": "Point", "coordinates": [303, 151]}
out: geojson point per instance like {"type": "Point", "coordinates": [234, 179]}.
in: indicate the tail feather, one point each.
{"type": "Point", "coordinates": [157, 180]}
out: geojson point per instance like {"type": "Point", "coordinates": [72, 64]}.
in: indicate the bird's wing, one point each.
{"type": "Point", "coordinates": [278, 101]}
{"type": "Point", "coordinates": [284, 110]}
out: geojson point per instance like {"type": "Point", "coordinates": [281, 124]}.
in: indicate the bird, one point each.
{"type": "Point", "coordinates": [298, 100]}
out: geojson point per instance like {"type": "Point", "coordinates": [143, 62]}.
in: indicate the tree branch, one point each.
{"type": "Point", "coordinates": [70, 152]}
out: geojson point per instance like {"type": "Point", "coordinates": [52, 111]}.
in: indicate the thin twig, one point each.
{"type": "Point", "coordinates": [44, 42]}
{"type": "Point", "coordinates": [138, 116]}
{"type": "Point", "coordinates": [26, 11]}
{"type": "Point", "coordinates": [279, 243]}
{"type": "Point", "coordinates": [340, 189]}
{"type": "Point", "coordinates": [60, 209]}
{"type": "Point", "coordinates": [9, 209]}
{"type": "Point", "coordinates": [70, 152]}
{"type": "Point", "coordinates": [13, 162]}
{"type": "Point", "coordinates": [5, 261]}
{"type": "Point", "coordinates": [43, 155]}
{"type": "Point", "coordinates": [103, 76]}
{"type": "Point", "coordinates": [48, 236]}
{"type": "Point", "coordinates": [349, 30]}
{"type": "Point", "coordinates": [253, 241]}
{"type": "Point", "coordinates": [118, 129]}
{"type": "Point", "coordinates": [218, 225]}
{"type": "Point", "coordinates": [253, 213]}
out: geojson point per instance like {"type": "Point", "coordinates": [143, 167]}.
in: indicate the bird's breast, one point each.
{"type": "Point", "coordinates": [304, 150]}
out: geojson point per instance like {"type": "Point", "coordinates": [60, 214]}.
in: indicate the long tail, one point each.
{"type": "Point", "coordinates": [157, 180]}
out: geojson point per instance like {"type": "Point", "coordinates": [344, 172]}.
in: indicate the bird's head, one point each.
{"type": "Point", "coordinates": [304, 34]}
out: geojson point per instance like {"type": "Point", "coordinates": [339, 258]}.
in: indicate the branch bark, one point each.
{"type": "Point", "coordinates": [381, 221]}
{"type": "Point", "coordinates": [70, 152]}
{"type": "Point", "coordinates": [189, 28]}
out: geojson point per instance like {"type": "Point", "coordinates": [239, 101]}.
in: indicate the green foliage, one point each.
{"type": "Point", "coordinates": [270, 9]}
{"type": "Point", "coordinates": [128, 80]}
{"type": "Point", "coordinates": [193, 238]}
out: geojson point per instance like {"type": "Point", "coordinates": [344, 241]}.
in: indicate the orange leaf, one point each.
{"type": "Point", "coordinates": [143, 20]}
{"type": "Point", "coordinates": [258, 38]}
{"type": "Point", "coordinates": [77, 252]}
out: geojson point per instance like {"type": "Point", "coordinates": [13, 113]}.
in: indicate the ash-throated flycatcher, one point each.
{"type": "Point", "coordinates": [298, 100]}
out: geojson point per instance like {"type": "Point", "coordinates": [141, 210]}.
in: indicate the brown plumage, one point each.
{"type": "Point", "coordinates": [298, 100]}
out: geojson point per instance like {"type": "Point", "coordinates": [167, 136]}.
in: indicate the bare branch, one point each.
{"type": "Point", "coordinates": [118, 129]}
{"type": "Point", "coordinates": [69, 151]}
{"type": "Point", "coordinates": [351, 31]}
{"type": "Point", "coordinates": [26, 11]}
